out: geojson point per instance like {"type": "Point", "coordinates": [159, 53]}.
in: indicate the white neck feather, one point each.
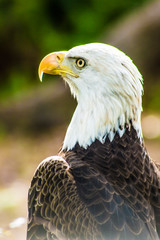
{"type": "Point", "coordinates": [98, 119]}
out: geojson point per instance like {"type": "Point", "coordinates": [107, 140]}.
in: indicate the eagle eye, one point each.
{"type": "Point", "coordinates": [80, 62]}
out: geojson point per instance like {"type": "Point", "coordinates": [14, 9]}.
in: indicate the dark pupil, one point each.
{"type": "Point", "coordinates": [80, 62]}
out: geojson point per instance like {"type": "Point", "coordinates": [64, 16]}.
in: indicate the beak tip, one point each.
{"type": "Point", "coordinates": [41, 76]}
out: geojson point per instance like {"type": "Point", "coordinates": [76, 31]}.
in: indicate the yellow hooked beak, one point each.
{"type": "Point", "coordinates": [52, 64]}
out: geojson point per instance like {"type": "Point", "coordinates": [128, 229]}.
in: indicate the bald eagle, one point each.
{"type": "Point", "coordinates": [103, 185]}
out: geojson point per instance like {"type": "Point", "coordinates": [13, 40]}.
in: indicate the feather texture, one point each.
{"type": "Point", "coordinates": [109, 191]}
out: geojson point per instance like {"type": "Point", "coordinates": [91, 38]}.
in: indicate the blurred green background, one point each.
{"type": "Point", "coordinates": [30, 29]}
{"type": "Point", "coordinates": [34, 116]}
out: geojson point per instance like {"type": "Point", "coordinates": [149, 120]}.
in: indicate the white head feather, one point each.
{"type": "Point", "coordinates": [108, 90]}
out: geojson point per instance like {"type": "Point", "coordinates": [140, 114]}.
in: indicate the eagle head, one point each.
{"type": "Point", "coordinates": [107, 86]}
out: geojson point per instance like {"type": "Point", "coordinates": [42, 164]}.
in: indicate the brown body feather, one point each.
{"type": "Point", "coordinates": [108, 191]}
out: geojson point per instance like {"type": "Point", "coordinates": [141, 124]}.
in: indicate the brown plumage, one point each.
{"type": "Point", "coordinates": [106, 187]}
{"type": "Point", "coordinates": [109, 191]}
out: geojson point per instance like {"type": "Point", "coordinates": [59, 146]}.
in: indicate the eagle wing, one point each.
{"type": "Point", "coordinates": [55, 209]}
{"type": "Point", "coordinates": [74, 201]}
{"type": "Point", "coordinates": [122, 216]}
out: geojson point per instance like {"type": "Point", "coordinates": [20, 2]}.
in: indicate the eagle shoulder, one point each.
{"type": "Point", "coordinates": [55, 209]}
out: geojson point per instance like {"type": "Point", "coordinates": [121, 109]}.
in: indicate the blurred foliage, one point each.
{"type": "Point", "coordinates": [30, 29]}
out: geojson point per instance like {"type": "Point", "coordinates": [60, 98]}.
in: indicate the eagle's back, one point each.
{"type": "Point", "coordinates": [108, 191]}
